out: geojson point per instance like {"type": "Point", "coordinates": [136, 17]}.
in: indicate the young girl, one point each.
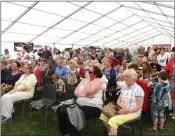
{"type": "Point", "coordinates": [159, 97]}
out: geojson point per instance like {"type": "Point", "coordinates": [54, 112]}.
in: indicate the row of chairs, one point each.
{"type": "Point", "coordinates": [50, 98]}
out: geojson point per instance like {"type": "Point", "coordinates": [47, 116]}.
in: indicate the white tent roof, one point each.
{"type": "Point", "coordinates": [107, 24]}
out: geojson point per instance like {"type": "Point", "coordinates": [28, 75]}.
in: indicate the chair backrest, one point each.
{"type": "Point", "coordinates": [49, 91]}
{"type": "Point", "coordinates": [42, 73]}
{"type": "Point", "coordinates": [47, 79]}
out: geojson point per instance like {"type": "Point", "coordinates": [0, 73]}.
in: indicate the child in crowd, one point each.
{"type": "Point", "coordinates": [159, 98]}
{"type": "Point", "coordinates": [60, 85]}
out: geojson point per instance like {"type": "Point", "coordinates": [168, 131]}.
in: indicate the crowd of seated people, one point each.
{"type": "Point", "coordinates": [83, 71]}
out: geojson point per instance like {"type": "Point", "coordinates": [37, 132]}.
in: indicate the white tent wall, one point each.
{"type": "Point", "coordinates": [161, 39]}
{"type": "Point", "coordinates": [10, 47]}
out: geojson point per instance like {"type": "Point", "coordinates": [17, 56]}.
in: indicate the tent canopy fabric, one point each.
{"type": "Point", "coordinates": [106, 24]}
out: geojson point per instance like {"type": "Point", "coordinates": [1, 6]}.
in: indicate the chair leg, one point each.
{"type": "Point", "coordinates": [140, 131]}
{"type": "Point", "coordinates": [31, 111]}
{"type": "Point", "coordinates": [46, 116]}
{"type": "Point", "coordinates": [133, 131]}
{"type": "Point", "coordinates": [23, 108]}
{"type": "Point", "coordinates": [105, 131]}
{"type": "Point", "coordinates": [94, 122]}
{"type": "Point", "coordinates": [52, 119]}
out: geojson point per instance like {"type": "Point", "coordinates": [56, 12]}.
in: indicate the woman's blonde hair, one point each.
{"type": "Point", "coordinates": [130, 73]}
{"type": "Point", "coordinates": [98, 65]}
{"type": "Point", "coordinates": [74, 62]}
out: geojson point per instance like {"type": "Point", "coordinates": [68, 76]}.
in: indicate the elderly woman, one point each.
{"type": "Point", "coordinates": [89, 97]}
{"type": "Point", "coordinates": [130, 102]}
{"type": "Point", "coordinates": [72, 73]}
{"type": "Point", "coordinates": [23, 89]}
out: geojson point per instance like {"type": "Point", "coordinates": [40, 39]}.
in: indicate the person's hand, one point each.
{"type": "Point", "coordinates": [123, 111]}
{"type": "Point", "coordinates": [92, 96]}
{"type": "Point", "coordinates": [150, 84]}
{"type": "Point", "coordinates": [87, 75]}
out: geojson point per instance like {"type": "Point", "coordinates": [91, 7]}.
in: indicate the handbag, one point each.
{"type": "Point", "coordinates": [110, 110]}
{"type": "Point", "coordinates": [75, 114]}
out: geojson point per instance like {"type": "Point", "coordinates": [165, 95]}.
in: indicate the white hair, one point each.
{"type": "Point", "coordinates": [130, 73]}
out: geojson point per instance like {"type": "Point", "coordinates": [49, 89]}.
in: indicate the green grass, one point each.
{"type": "Point", "coordinates": [35, 126]}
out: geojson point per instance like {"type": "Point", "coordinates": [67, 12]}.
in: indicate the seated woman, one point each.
{"type": "Point", "coordinates": [11, 78]}
{"type": "Point", "coordinates": [73, 78]}
{"type": "Point", "coordinates": [130, 101]}
{"type": "Point", "coordinates": [72, 73]}
{"type": "Point", "coordinates": [89, 97]}
{"type": "Point", "coordinates": [24, 89]}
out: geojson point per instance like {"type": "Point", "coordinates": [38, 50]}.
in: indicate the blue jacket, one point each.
{"type": "Point", "coordinates": [159, 94]}
{"type": "Point", "coordinates": [111, 78]}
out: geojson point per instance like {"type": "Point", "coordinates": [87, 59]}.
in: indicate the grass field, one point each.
{"type": "Point", "coordinates": [35, 126]}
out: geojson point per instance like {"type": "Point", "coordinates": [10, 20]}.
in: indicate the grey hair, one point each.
{"type": "Point", "coordinates": [130, 73]}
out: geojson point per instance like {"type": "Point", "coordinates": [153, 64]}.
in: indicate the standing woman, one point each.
{"type": "Point", "coordinates": [110, 74]}
{"type": "Point", "coordinates": [162, 58]}
{"type": "Point", "coordinates": [147, 70]}
{"type": "Point", "coordinates": [23, 89]}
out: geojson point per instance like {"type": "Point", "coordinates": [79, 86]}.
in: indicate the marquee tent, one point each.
{"type": "Point", "coordinates": [107, 24]}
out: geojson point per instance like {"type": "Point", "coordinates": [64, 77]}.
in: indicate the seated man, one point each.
{"type": "Point", "coordinates": [61, 70]}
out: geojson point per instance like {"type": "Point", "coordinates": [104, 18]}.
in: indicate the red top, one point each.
{"type": "Point", "coordinates": [115, 62]}
{"type": "Point", "coordinates": [146, 89]}
{"type": "Point", "coordinates": [169, 66]}
{"type": "Point", "coordinates": [38, 77]}
{"type": "Point", "coordinates": [82, 72]}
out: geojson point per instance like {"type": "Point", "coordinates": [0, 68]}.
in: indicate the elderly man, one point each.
{"type": "Point", "coordinates": [61, 70]}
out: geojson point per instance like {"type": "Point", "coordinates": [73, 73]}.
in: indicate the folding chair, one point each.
{"type": "Point", "coordinates": [42, 73]}
{"type": "Point", "coordinates": [23, 105]}
{"type": "Point", "coordinates": [49, 97]}
{"type": "Point", "coordinates": [135, 123]}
